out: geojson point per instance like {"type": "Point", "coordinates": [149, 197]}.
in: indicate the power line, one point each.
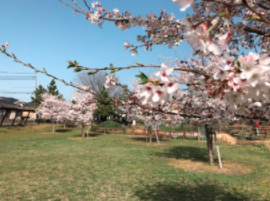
{"type": "Point", "coordinates": [18, 92]}
{"type": "Point", "coordinates": [17, 77]}
{"type": "Point", "coordinates": [15, 72]}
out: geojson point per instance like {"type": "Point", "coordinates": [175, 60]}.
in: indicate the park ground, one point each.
{"type": "Point", "coordinates": [38, 165]}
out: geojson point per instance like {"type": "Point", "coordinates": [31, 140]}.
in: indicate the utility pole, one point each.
{"type": "Point", "coordinates": [36, 80]}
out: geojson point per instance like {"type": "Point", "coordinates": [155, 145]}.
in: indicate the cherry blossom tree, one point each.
{"type": "Point", "coordinates": [53, 109]}
{"type": "Point", "coordinates": [82, 109]}
{"type": "Point", "coordinates": [223, 82]}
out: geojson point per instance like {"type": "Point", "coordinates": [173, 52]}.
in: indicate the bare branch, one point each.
{"type": "Point", "coordinates": [86, 4]}
{"type": "Point", "coordinates": [79, 6]}
{"type": "Point", "coordinates": [96, 82]}
{"type": "Point", "coordinates": [196, 71]}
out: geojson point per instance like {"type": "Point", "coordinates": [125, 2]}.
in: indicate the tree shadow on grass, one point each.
{"type": "Point", "coordinates": [62, 130]}
{"type": "Point", "coordinates": [90, 135]}
{"type": "Point", "coordinates": [142, 139]}
{"type": "Point", "coordinates": [183, 152]}
{"type": "Point", "coordinates": [183, 192]}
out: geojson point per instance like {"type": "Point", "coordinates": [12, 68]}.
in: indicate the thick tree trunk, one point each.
{"type": "Point", "coordinates": [209, 141]}
{"type": "Point", "coordinates": [83, 130]}
{"type": "Point", "coordinates": [156, 135]}
{"type": "Point", "coordinates": [53, 127]}
{"type": "Point", "coordinates": [150, 135]}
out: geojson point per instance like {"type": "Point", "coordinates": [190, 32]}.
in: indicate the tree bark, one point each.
{"type": "Point", "coordinates": [83, 130]}
{"type": "Point", "coordinates": [150, 135]}
{"type": "Point", "coordinates": [53, 127]}
{"type": "Point", "coordinates": [209, 141]}
{"type": "Point", "coordinates": [156, 135]}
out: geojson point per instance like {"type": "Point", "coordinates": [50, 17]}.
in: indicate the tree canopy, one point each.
{"type": "Point", "coordinates": [52, 89]}
{"type": "Point", "coordinates": [104, 105]}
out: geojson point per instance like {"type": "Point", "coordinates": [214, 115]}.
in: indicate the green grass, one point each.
{"type": "Point", "coordinates": [110, 124]}
{"type": "Point", "coordinates": [61, 166]}
{"type": "Point", "coordinates": [183, 126]}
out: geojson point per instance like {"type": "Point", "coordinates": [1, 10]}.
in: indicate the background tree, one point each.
{"type": "Point", "coordinates": [96, 82]}
{"type": "Point", "coordinates": [37, 98]}
{"type": "Point", "coordinates": [52, 108]}
{"type": "Point", "coordinates": [104, 105]}
{"type": "Point", "coordinates": [52, 89]}
{"type": "Point", "coordinates": [82, 109]}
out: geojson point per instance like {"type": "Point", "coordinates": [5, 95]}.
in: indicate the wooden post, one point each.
{"type": "Point", "coordinates": [219, 158]}
{"type": "Point", "coordinates": [113, 131]}
{"type": "Point", "coordinates": [27, 118]}
{"type": "Point", "coordinates": [170, 134]}
{"type": "Point", "coordinates": [198, 136]}
{"type": "Point", "coordinates": [97, 130]}
{"type": "Point", "coordinates": [122, 131]}
{"type": "Point", "coordinates": [133, 131]}
{"type": "Point", "coordinates": [15, 117]}
{"type": "Point", "coordinates": [104, 130]}
{"type": "Point", "coordinates": [184, 135]}
{"type": "Point", "coordinates": [4, 117]}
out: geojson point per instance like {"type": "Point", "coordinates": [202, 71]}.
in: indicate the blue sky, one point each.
{"type": "Point", "coordinates": [47, 34]}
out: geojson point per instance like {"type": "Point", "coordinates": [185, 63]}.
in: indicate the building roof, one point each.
{"type": "Point", "coordinates": [14, 104]}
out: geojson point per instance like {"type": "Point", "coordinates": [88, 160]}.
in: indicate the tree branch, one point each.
{"type": "Point", "coordinates": [145, 66]}
{"type": "Point", "coordinates": [263, 6]}
{"type": "Point", "coordinates": [254, 11]}
{"type": "Point", "coordinates": [225, 3]}
{"type": "Point", "coordinates": [259, 32]}
{"type": "Point", "coordinates": [71, 7]}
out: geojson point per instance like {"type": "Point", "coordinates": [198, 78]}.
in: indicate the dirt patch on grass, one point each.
{"type": "Point", "coordinates": [162, 143]}
{"type": "Point", "coordinates": [48, 133]}
{"type": "Point", "coordinates": [81, 138]}
{"type": "Point", "coordinates": [229, 168]}
{"type": "Point", "coordinates": [243, 143]}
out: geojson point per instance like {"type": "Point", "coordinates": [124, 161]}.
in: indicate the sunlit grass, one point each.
{"type": "Point", "coordinates": [37, 166]}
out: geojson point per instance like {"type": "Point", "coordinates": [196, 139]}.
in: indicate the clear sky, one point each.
{"type": "Point", "coordinates": [46, 34]}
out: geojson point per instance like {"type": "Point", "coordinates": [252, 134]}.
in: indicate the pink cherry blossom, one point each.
{"type": "Point", "coordinates": [172, 85]}
{"type": "Point", "coordinates": [184, 3]}
{"type": "Point", "coordinates": [164, 72]}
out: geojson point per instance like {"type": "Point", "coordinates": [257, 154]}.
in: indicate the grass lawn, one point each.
{"type": "Point", "coordinates": [38, 165]}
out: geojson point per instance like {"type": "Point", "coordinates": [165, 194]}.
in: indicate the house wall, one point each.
{"type": "Point", "coordinates": [32, 115]}
{"type": "Point", "coordinates": [20, 118]}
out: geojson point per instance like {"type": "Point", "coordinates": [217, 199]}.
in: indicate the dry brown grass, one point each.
{"type": "Point", "coordinates": [229, 168]}
{"type": "Point", "coordinates": [226, 138]}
